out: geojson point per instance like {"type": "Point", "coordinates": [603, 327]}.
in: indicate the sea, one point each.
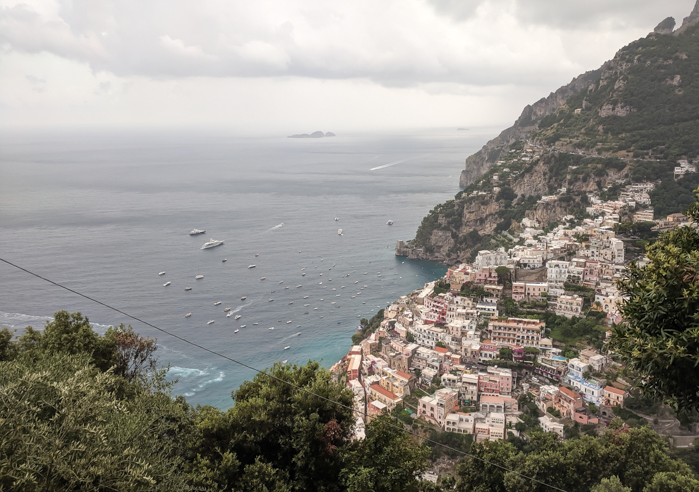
{"type": "Point", "coordinates": [104, 212]}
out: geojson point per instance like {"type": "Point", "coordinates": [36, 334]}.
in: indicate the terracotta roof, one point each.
{"type": "Point", "coordinates": [441, 350]}
{"type": "Point", "coordinates": [403, 374]}
{"type": "Point", "coordinates": [492, 399]}
{"type": "Point", "coordinates": [384, 392]}
{"type": "Point", "coordinates": [568, 392]}
{"type": "Point", "coordinates": [612, 389]}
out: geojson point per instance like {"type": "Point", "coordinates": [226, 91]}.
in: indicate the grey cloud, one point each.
{"type": "Point", "coordinates": [176, 38]}
{"type": "Point", "coordinates": [37, 84]}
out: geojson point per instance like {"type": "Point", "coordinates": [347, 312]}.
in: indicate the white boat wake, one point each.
{"type": "Point", "coordinates": [397, 162]}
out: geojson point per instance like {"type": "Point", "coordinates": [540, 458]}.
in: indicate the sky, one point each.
{"type": "Point", "coordinates": [266, 66]}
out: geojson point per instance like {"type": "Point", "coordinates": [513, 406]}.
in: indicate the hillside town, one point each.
{"type": "Point", "coordinates": [453, 356]}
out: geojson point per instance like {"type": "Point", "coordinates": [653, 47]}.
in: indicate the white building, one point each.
{"type": "Point", "coordinates": [492, 259]}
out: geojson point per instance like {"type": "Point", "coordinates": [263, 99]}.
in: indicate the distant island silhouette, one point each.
{"type": "Point", "coordinates": [312, 135]}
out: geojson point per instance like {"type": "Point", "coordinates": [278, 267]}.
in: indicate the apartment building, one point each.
{"type": "Point", "coordinates": [614, 396]}
{"type": "Point", "coordinates": [569, 306]}
{"type": "Point", "coordinates": [436, 407]}
{"type": "Point", "coordinates": [516, 331]}
{"type": "Point", "coordinates": [378, 393]}
{"type": "Point", "coordinates": [459, 422]}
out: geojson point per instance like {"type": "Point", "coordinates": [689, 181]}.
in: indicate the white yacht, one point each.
{"type": "Point", "coordinates": [390, 222]}
{"type": "Point", "coordinates": [224, 260]}
{"type": "Point", "coordinates": [288, 322]}
{"type": "Point", "coordinates": [187, 288]}
{"type": "Point", "coordinates": [337, 218]}
{"type": "Point", "coordinates": [212, 243]}
{"type": "Point", "coordinates": [161, 273]}
{"type": "Point", "coordinates": [196, 232]}
{"type": "Point", "coordinates": [270, 299]}
{"type": "Point", "coordinates": [199, 277]}
{"type": "Point", "coordinates": [299, 286]}
{"type": "Point", "coordinates": [225, 310]}
{"type": "Point", "coordinates": [187, 315]}
{"type": "Point", "coordinates": [271, 327]}
{"type": "Point", "coordinates": [287, 347]}
{"type": "Point", "coordinates": [303, 274]}
{"type": "Point", "coordinates": [166, 284]}
{"type": "Point", "coordinates": [243, 326]}
{"type": "Point", "coordinates": [305, 297]}
{"type": "Point", "coordinates": [210, 322]}
{"type": "Point", "coordinates": [297, 334]}
{"type": "Point", "coordinates": [252, 266]}
{"type": "Point", "coordinates": [262, 278]}
{"type": "Point", "coordinates": [285, 361]}
{"type": "Point", "coordinates": [256, 255]}
{"type": "Point", "coordinates": [217, 303]}
{"type": "Point", "coordinates": [229, 315]}
{"type": "Point", "coordinates": [236, 331]}
{"type": "Point", "coordinates": [339, 232]}
{"type": "Point", "coordinates": [256, 324]}
{"type": "Point", "coordinates": [237, 316]}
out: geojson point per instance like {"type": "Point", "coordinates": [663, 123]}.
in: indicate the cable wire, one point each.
{"type": "Point", "coordinates": [265, 373]}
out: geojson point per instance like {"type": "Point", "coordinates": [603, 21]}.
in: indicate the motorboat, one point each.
{"type": "Point", "coordinates": [281, 282]}
{"type": "Point", "coordinates": [390, 222]}
{"type": "Point", "coordinates": [236, 330]}
{"type": "Point", "coordinates": [262, 278]}
{"type": "Point", "coordinates": [286, 288]}
{"type": "Point", "coordinates": [161, 273]}
{"type": "Point", "coordinates": [306, 305]}
{"type": "Point", "coordinates": [237, 316]}
{"type": "Point", "coordinates": [187, 288]}
{"type": "Point", "coordinates": [337, 218]}
{"type": "Point", "coordinates": [224, 260]}
{"type": "Point", "coordinates": [297, 334]}
{"type": "Point", "coordinates": [196, 232]}
{"type": "Point", "coordinates": [229, 315]}
{"type": "Point", "coordinates": [303, 274]}
{"type": "Point", "coordinates": [199, 277]}
{"type": "Point", "coordinates": [305, 297]}
{"type": "Point", "coordinates": [256, 255]}
{"type": "Point", "coordinates": [252, 266]}
{"type": "Point", "coordinates": [187, 315]}
{"type": "Point", "coordinates": [243, 298]}
{"type": "Point", "coordinates": [210, 322]}
{"type": "Point", "coordinates": [166, 284]}
{"type": "Point", "coordinates": [288, 322]}
{"type": "Point", "coordinates": [217, 303]}
{"type": "Point", "coordinates": [287, 347]}
{"type": "Point", "coordinates": [271, 327]}
{"type": "Point", "coordinates": [339, 232]}
{"type": "Point", "coordinates": [299, 286]}
{"type": "Point", "coordinates": [211, 243]}
{"type": "Point", "coordinates": [256, 324]}
{"type": "Point", "coordinates": [225, 310]}
{"type": "Point", "coordinates": [291, 302]}
{"type": "Point", "coordinates": [243, 326]}
{"type": "Point", "coordinates": [284, 361]}
{"type": "Point", "coordinates": [270, 299]}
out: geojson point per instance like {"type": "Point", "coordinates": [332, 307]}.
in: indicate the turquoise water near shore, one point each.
{"type": "Point", "coordinates": [105, 212]}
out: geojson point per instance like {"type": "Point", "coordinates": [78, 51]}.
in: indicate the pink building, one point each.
{"type": "Point", "coordinates": [354, 367]}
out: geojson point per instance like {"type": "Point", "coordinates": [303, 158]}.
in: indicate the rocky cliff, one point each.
{"type": "Point", "coordinates": [630, 120]}
{"type": "Point", "coordinates": [480, 162]}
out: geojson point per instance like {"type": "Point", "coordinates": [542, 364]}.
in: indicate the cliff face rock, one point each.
{"type": "Point", "coordinates": [482, 160]}
{"type": "Point", "coordinates": [690, 20]}
{"type": "Point", "coordinates": [665, 27]}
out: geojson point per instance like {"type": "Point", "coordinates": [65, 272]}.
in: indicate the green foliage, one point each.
{"type": "Point", "coordinates": [368, 327]}
{"type": "Point", "coordinates": [458, 442]}
{"type": "Point", "coordinates": [671, 197]}
{"type": "Point", "coordinates": [660, 339]}
{"type": "Point", "coordinates": [636, 456]}
{"type": "Point", "coordinates": [612, 484]}
{"type": "Point", "coordinates": [441, 287]}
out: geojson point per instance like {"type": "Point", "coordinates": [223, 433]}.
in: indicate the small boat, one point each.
{"type": "Point", "coordinates": [161, 273]}
{"type": "Point", "coordinates": [299, 286]}
{"type": "Point", "coordinates": [353, 297]}
{"type": "Point", "coordinates": [262, 278]}
{"type": "Point", "coordinates": [288, 322]}
{"type": "Point", "coordinates": [306, 305]}
{"type": "Point", "coordinates": [303, 274]}
{"type": "Point", "coordinates": [281, 282]}
{"type": "Point", "coordinates": [199, 277]}
{"type": "Point", "coordinates": [243, 298]}
{"type": "Point", "coordinates": [305, 297]}
{"type": "Point", "coordinates": [229, 315]}
{"type": "Point", "coordinates": [270, 299]}
{"type": "Point", "coordinates": [271, 327]}
{"type": "Point", "coordinates": [284, 361]}
{"type": "Point", "coordinates": [237, 316]}
{"type": "Point", "coordinates": [210, 322]}
{"type": "Point", "coordinates": [166, 284]}
{"type": "Point", "coordinates": [256, 255]}
{"type": "Point", "coordinates": [286, 288]}
{"type": "Point", "coordinates": [339, 232]}
{"type": "Point", "coordinates": [217, 303]}
{"type": "Point", "coordinates": [320, 283]}
{"type": "Point", "coordinates": [342, 287]}
{"type": "Point", "coordinates": [287, 347]}
{"type": "Point", "coordinates": [187, 288]}
{"type": "Point", "coordinates": [390, 222]}
{"type": "Point", "coordinates": [297, 334]}
{"type": "Point", "coordinates": [236, 331]}
{"type": "Point", "coordinates": [225, 310]}
{"type": "Point", "coordinates": [337, 218]}
{"type": "Point", "coordinates": [332, 302]}
{"type": "Point", "coordinates": [187, 315]}
{"type": "Point", "coordinates": [224, 260]}
{"type": "Point", "coordinates": [256, 324]}
{"type": "Point", "coordinates": [321, 316]}
{"type": "Point", "coordinates": [315, 309]}
{"type": "Point", "coordinates": [211, 243]}
{"type": "Point", "coordinates": [291, 302]}
{"type": "Point", "coordinates": [252, 266]}
{"type": "Point", "coordinates": [196, 232]}
{"type": "Point", "coordinates": [356, 282]}
{"type": "Point", "coordinates": [243, 326]}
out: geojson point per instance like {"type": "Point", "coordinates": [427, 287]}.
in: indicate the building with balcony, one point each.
{"type": "Point", "coordinates": [435, 408]}
{"type": "Point", "coordinates": [516, 331]}
{"type": "Point", "coordinates": [569, 306]}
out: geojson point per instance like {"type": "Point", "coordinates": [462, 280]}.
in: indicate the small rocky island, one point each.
{"type": "Point", "coordinates": [313, 135]}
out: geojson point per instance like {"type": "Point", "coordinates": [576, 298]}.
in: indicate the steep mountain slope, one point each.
{"type": "Point", "coordinates": [630, 120]}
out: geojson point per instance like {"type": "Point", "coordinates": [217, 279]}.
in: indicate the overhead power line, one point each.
{"type": "Point", "coordinates": [265, 373]}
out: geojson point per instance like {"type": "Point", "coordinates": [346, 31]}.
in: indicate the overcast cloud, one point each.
{"type": "Point", "coordinates": [128, 61]}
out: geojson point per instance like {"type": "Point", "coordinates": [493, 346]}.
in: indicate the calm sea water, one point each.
{"type": "Point", "coordinates": [103, 213]}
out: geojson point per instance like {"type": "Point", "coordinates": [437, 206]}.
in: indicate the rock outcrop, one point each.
{"type": "Point", "coordinates": [666, 26]}
{"type": "Point", "coordinates": [690, 20]}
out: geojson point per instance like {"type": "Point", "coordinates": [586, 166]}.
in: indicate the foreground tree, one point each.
{"type": "Point", "coordinates": [660, 336]}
